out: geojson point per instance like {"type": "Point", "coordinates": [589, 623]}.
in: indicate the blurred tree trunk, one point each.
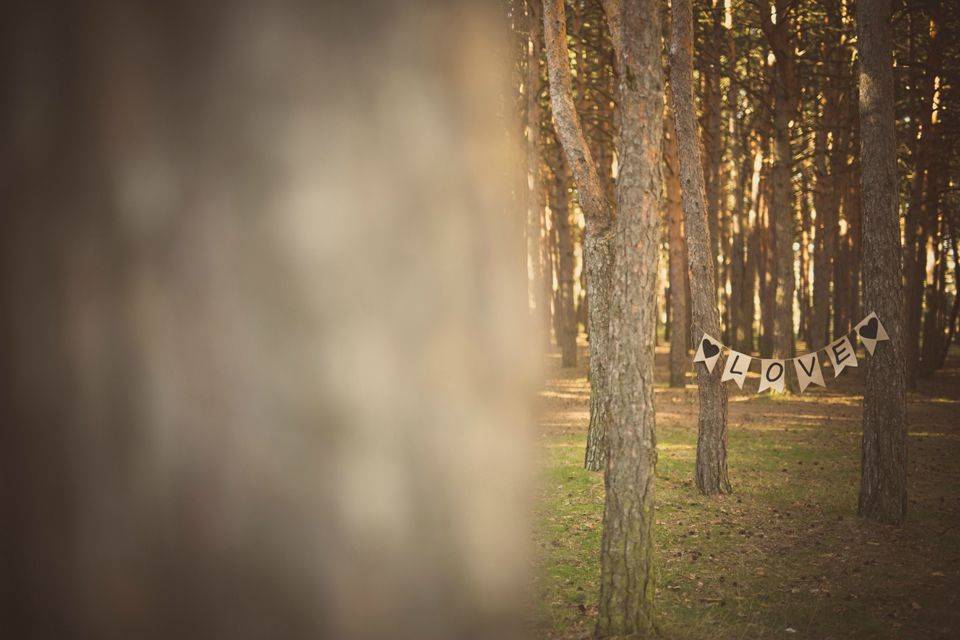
{"type": "Point", "coordinates": [679, 330]}
{"type": "Point", "coordinates": [566, 309]}
{"type": "Point", "coordinates": [708, 57]}
{"type": "Point", "coordinates": [533, 87]}
{"type": "Point", "coordinates": [711, 467]}
{"type": "Point", "coordinates": [751, 262]}
{"type": "Point", "coordinates": [228, 362]}
{"type": "Point", "coordinates": [598, 214]}
{"type": "Point", "coordinates": [786, 96]}
{"type": "Point", "coordinates": [626, 549]}
{"type": "Point", "coordinates": [935, 277]}
{"type": "Point", "coordinates": [803, 258]}
{"type": "Point", "coordinates": [826, 196]}
{"type": "Point", "coordinates": [952, 317]}
{"type": "Point", "coordinates": [915, 226]}
{"type": "Point", "coordinates": [883, 481]}
{"type": "Point", "coordinates": [766, 269]}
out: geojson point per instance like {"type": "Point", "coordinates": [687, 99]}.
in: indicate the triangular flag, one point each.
{"type": "Point", "coordinates": [708, 351]}
{"type": "Point", "coordinates": [736, 367]}
{"type": "Point", "coordinates": [841, 355]}
{"type": "Point", "coordinates": [773, 375]}
{"type": "Point", "coordinates": [808, 370]}
{"type": "Point", "coordinates": [871, 332]}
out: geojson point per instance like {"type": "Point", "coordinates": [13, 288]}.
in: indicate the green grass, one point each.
{"type": "Point", "coordinates": [784, 551]}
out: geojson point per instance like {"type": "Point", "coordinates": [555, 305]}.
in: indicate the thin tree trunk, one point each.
{"type": "Point", "coordinates": [626, 549]}
{"type": "Point", "coordinates": [679, 331]}
{"type": "Point", "coordinates": [711, 466]}
{"type": "Point", "coordinates": [786, 100]}
{"type": "Point", "coordinates": [533, 85]}
{"type": "Point", "coordinates": [565, 309]}
{"type": "Point", "coordinates": [766, 271]}
{"type": "Point", "coordinates": [598, 214]}
{"type": "Point", "coordinates": [883, 480]}
{"type": "Point", "coordinates": [751, 260]}
{"type": "Point", "coordinates": [826, 204]}
{"type": "Point", "coordinates": [915, 227]}
{"type": "Point", "coordinates": [855, 226]}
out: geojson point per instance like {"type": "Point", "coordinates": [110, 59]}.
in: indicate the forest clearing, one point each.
{"type": "Point", "coordinates": [785, 550]}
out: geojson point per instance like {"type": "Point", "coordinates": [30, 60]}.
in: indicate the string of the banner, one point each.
{"type": "Point", "coordinates": [852, 332]}
{"type": "Point", "coordinates": [729, 350]}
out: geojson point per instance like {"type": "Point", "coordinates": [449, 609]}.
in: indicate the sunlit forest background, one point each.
{"type": "Point", "coordinates": [778, 120]}
{"type": "Point", "coordinates": [762, 81]}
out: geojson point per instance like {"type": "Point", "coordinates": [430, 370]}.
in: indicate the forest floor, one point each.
{"type": "Point", "coordinates": [784, 555]}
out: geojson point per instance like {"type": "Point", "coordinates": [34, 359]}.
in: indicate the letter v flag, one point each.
{"type": "Point", "coordinates": [708, 351]}
{"type": "Point", "coordinates": [736, 367]}
{"type": "Point", "coordinates": [808, 370]}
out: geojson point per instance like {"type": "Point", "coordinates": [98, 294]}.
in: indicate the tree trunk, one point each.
{"type": "Point", "coordinates": [883, 479]}
{"type": "Point", "coordinates": [533, 85]}
{"type": "Point", "coordinates": [826, 203]}
{"type": "Point", "coordinates": [752, 259]}
{"type": "Point", "coordinates": [932, 327]}
{"type": "Point", "coordinates": [785, 103]}
{"type": "Point", "coordinates": [626, 565]}
{"type": "Point", "coordinates": [598, 214]}
{"type": "Point", "coordinates": [711, 467]}
{"type": "Point", "coordinates": [679, 331]}
{"type": "Point", "coordinates": [201, 437]}
{"type": "Point", "coordinates": [565, 307]}
{"type": "Point", "coordinates": [915, 226]}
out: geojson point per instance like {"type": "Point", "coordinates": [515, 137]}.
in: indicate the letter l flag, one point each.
{"type": "Point", "coordinates": [736, 367]}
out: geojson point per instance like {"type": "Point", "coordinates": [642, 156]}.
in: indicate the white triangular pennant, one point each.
{"type": "Point", "coordinates": [842, 355]}
{"type": "Point", "coordinates": [870, 332]}
{"type": "Point", "coordinates": [808, 370]}
{"type": "Point", "coordinates": [708, 351]}
{"type": "Point", "coordinates": [773, 375]}
{"type": "Point", "coordinates": [736, 367]}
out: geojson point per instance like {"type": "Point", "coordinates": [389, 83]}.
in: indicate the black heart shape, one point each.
{"type": "Point", "coordinates": [869, 330]}
{"type": "Point", "coordinates": [710, 349]}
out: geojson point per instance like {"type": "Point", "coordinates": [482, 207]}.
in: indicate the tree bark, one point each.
{"type": "Point", "coordinates": [915, 225]}
{"type": "Point", "coordinates": [785, 102]}
{"type": "Point", "coordinates": [598, 215]}
{"type": "Point", "coordinates": [826, 203]}
{"type": "Point", "coordinates": [626, 550]}
{"type": "Point", "coordinates": [711, 467]}
{"type": "Point", "coordinates": [679, 330]}
{"type": "Point", "coordinates": [566, 309]}
{"type": "Point", "coordinates": [883, 480]}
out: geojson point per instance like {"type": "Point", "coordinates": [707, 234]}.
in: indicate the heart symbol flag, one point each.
{"type": "Point", "coordinates": [871, 331]}
{"type": "Point", "coordinates": [708, 351]}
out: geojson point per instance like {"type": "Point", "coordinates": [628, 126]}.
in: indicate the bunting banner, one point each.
{"type": "Point", "coordinates": [841, 353]}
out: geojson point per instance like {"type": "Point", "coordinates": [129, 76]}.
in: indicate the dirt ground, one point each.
{"type": "Point", "coordinates": [783, 556]}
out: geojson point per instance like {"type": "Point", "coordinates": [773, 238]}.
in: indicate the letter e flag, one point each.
{"type": "Point", "coordinates": [841, 355]}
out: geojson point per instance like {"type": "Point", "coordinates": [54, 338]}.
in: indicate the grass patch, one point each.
{"type": "Point", "coordinates": [783, 556]}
